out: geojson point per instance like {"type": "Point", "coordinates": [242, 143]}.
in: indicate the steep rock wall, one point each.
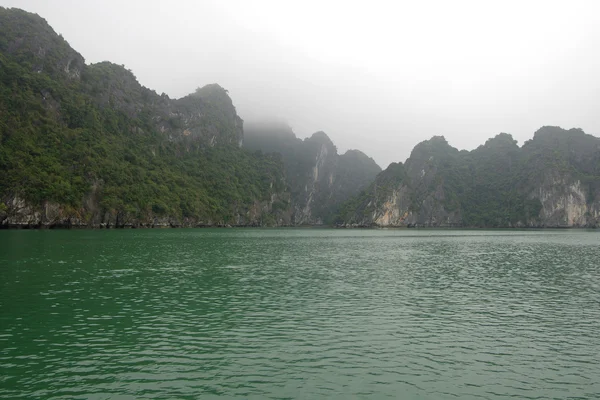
{"type": "Point", "coordinates": [552, 181]}
{"type": "Point", "coordinates": [319, 179]}
{"type": "Point", "coordinates": [565, 203]}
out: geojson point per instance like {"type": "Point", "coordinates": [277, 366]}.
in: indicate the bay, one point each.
{"type": "Point", "coordinates": [299, 313]}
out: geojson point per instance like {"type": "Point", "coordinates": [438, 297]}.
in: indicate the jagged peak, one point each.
{"type": "Point", "coordinates": [435, 141]}
{"type": "Point", "coordinates": [319, 141]}
{"type": "Point", "coordinates": [395, 166]}
{"type": "Point", "coordinates": [320, 136]}
{"type": "Point", "coordinates": [548, 130]}
{"type": "Point", "coordinates": [211, 94]}
{"type": "Point", "coordinates": [435, 145]}
{"type": "Point", "coordinates": [28, 22]}
{"type": "Point", "coordinates": [30, 39]}
{"type": "Point", "coordinates": [502, 136]}
{"type": "Point", "coordinates": [394, 173]}
{"type": "Point", "coordinates": [500, 140]}
{"type": "Point", "coordinates": [212, 91]}
{"type": "Point", "coordinates": [557, 132]}
{"type": "Point", "coordinates": [354, 155]}
{"type": "Point", "coordinates": [552, 135]}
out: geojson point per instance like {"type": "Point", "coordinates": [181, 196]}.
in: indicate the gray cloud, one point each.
{"type": "Point", "coordinates": [377, 76]}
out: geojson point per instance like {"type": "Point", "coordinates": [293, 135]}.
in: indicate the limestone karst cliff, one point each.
{"type": "Point", "coordinates": [553, 180]}
{"type": "Point", "coordinates": [319, 178]}
{"type": "Point", "coordinates": [87, 145]}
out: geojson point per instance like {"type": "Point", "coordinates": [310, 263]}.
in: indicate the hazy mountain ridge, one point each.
{"type": "Point", "coordinates": [88, 145]}
{"type": "Point", "coordinates": [553, 180]}
{"type": "Point", "coordinates": [319, 178]}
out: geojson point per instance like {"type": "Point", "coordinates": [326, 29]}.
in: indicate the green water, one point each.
{"type": "Point", "coordinates": [299, 313]}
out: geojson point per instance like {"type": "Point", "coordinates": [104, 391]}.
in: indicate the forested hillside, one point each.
{"type": "Point", "coordinates": [88, 145]}
{"type": "Point", "coordinates": [553, 180]}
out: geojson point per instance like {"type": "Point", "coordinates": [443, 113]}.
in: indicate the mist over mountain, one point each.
{"type": "Point", "coordinates": [87, 145]}
{"type": "Point", "coordinates": [396, 73]}
{"type": "Point", "coordinates": [320, 179]}
{"type": "Point", "coordinates": [553, 180]}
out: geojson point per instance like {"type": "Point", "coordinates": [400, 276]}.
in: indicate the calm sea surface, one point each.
{"type": "Point", "coordinates": [299, 313]}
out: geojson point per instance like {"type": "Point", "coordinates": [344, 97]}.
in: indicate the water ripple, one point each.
{"type": "Point", "coordinates": [281, 314]}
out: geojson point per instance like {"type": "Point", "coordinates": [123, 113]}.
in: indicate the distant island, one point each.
{"type": "Point", "coordinates": [88, 146]}
{"type": "Point", "coordinates": [553, 180]}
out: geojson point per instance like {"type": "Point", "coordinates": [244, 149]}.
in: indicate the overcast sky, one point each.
{"type": "Point", "coordinates": [378, 76]}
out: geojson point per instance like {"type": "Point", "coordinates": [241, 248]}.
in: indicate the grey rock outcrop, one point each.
{"type": "Point", "coordinates": [319, 179]}
{"type": "Point", "coordinates": [553, 181]}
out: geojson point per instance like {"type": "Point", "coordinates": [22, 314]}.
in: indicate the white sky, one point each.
{"type": "Point", "coordinates": [379, 76]}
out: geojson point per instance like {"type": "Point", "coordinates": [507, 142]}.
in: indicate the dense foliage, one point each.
{"type": "Point", "coordinates": [90, 138]}
{"type": "Point", "coordinates": [490, 186]}
{"type": "Point", "coordinates": [92, 143]}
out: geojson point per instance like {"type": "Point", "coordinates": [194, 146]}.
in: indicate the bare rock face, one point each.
{"type": "Point", "coordinates": [394, 210]}
{"type": "Point", "coordinates": [87, 145]}
{"type": "Point", "coordinates": [21, 214]}
{"type": "Point", "coordinates": [208, 116]}
{"type": "Point", "coordinates": [566, 202]}
{"type": "Point", "coordinates": [565, 177]}
{"type": "Point", "coordinates": [553, 180]}
{"type": "Point", "coordinates": [319, 179]}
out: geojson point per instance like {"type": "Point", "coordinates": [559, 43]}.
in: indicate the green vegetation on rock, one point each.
{"type": "Point", "coordinates": [87, 145]}
{"type": "Point", "coordinates": [98, 147]}
{"type": "Point", "coordinates": [552, 180]}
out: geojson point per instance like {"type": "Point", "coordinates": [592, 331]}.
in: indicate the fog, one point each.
{"type": "Point", "coordinates": [375, 76]}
